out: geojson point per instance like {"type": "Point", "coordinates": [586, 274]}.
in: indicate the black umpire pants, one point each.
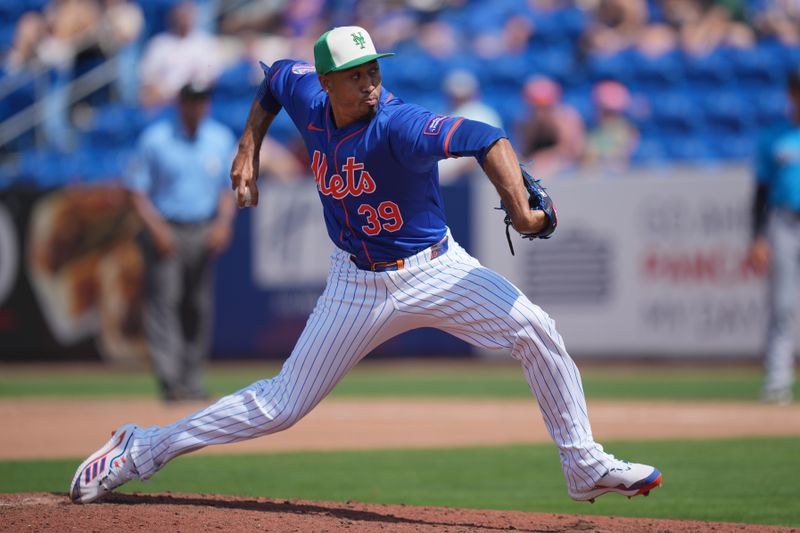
{"type": "Point", "coordinates": [178, 310]}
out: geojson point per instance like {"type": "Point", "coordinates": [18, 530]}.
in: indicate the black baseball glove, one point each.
{"type": "Point", "coordinates": [538, 199]}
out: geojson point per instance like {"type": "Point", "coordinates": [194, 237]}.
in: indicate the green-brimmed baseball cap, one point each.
{"type": "Point", "coordinates": [342, 48]}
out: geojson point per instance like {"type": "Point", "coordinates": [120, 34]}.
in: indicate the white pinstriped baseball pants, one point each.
{"type": "Point", "coordinates": [358, 311]}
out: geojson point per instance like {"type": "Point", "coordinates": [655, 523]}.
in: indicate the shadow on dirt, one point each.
{"type": "Point", "coordinates": [341, 511]}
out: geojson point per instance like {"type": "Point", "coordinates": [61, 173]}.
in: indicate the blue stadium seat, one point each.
{"type": "Point", "coordinates": [554, 62]}
{"type": "Point", "coordinates": [610, 67]}
{"type": "Point", "coordinates": [11, 10]}
{"type": "Point", "coordinates": [688, 148]}
{"type": "Point", "coordinates": [508, 104]}
{"type": "Point", "coordinates": [233, 112]}
{"type": "Point", "coordinates": [413, 68]}
{"type": "Point", "coordinates": [769, 105]}
{"type": "Point", "coordinates": [116, 125]}
{"type": "Point", "coordinates": [757, 67]}
{"type": "Point", "coordinates": [649, 150]}
{"type": "Point", "coordinates": [726, 112]}
{"type": "Point", "coordinates": [573, 21]}
{"type": "Point", "coordinates": [733, 146]}
{"type": "Point", "coordinates": [674, 112]}
{"type": "Point", "coordinates": [708, 72]}
{"type": "Point", "coordinates": [508, 71]}
{"type": "Point", "coordinates": [6, 34]}
{"type": "Point", "coordinates": [655, 73]}
{"type": "Point", "coordinates": [484, 16]}
{"type": "Point", "coordinates": [237, 81]}
{"type": "Point", "coordinates": [581, 100]}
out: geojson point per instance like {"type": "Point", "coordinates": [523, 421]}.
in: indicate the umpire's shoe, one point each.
{"type": "Point", "coordinates": [628, 479]}
{"type": "Point", "coordinates": [106, 469]}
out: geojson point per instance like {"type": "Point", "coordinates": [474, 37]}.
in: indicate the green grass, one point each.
{"type": "Point", "coordinates": [439, 379]}
{"type": "Point", "coordinates": [745, 480]}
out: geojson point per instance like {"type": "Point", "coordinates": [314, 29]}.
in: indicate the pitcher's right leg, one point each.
{"type": "Point", "coordinates": [352, 316]}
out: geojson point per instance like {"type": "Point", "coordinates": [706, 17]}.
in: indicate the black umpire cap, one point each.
{"type": "Point", "coordinates": [195, 90]}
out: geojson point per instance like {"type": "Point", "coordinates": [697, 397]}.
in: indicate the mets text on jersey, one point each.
{"type": "Point", "coordinates": [339, 187]}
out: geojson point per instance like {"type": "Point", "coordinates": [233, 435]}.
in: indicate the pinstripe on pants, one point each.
{"type": "Point", "coordinates": [358, 311]}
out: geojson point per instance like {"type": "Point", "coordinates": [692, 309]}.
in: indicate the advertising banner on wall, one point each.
{"type": "Point", "coordinates": [641, 264]}
{"type": "Point", "coordinates": [70, 275]}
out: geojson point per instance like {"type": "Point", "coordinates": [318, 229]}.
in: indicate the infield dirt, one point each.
{"type": "Point", "coordinates": [190, 512]}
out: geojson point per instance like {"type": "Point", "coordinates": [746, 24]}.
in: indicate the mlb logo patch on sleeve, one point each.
{"type": "Point", "coordinates": [302, 68]}
{"type": "Point", "coordinates": [434, 125]}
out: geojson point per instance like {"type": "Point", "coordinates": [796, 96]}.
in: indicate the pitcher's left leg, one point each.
{"type": "Point", "coordinates": [478, 305]}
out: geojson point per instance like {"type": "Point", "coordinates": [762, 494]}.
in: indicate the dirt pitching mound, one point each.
{"type": "Point", "coordinates": [192, 512]}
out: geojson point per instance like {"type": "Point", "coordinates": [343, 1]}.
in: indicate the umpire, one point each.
{"type": "Point", "coordinates": [179, 185]}
{"type": "Point", "coordinates": [776, 242]}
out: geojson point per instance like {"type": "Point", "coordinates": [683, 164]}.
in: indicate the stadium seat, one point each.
{"type": "Point", "coordinates": [509, 71]}
{"type": "Point", "coordinates": [758, 67]}
{"type": "Point", "coordinates": [233, 112]}
{"type": "Point", "coordinates": [237, 81]}
{"type": "Point", "coordinates": [649, 151]}
{"type": "Point", "coordinates": [507, 103]}
{"type": "Point", "coordinates": [688, 148]}
{"type": "Point", "coordinates": [733, 147]}
{"type": "Point", "coordinates": [655, 73]}
{"type": "Point", "coordinates": [413, 68]}
{"type": "Point", "coordinates": [556, 62]}
{"type": "Point", "coordinates": [675, 112]}
{"type": "Point", "coordinates": [708, 72]}
{"type": "Point", "coordinates": [610, 67]}
{"type": "Point", "coordinates": [726, 112]}
{"type": "Point", "coordinates": [581, 100]}
{"type": "Point", "coordinates": [6, 34]}
{"type": "Point", "coordinates": [116, 124]}
{"type": "Point", "coordinates": [769, 105]}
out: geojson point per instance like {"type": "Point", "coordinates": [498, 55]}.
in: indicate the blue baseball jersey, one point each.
{"type": "Point", "coordinates": [377, 179]}
{"type": "Point", "coordinates": [778, 165]}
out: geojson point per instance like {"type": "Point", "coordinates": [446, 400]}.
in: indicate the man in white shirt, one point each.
{"type": "Point", "coordinates": [174, 58]}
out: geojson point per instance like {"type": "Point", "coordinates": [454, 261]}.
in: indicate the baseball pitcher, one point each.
{"type": "Point", "coordinates": [395, 267]}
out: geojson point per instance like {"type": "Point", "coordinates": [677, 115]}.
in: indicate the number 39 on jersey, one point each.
{"type": "Point", "coordinates": [383, 217]}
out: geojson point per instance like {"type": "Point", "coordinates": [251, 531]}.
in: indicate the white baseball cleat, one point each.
{"type": "Point", "coordinates": [628, 479]}
{"type": "Point", "coordinates": [106, 469]}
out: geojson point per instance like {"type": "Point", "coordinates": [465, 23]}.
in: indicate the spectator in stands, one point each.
{"type": "Point", "coordinates": [775, 247]}
{"type": "Point", "coordinates": [29, 32]}
{"type": "Point", "coordinates": [52, 41]}
{"type": "Point", "coordinates": [553, 135]}
{"type": "Point", "coordinates": [439, 39]}
{"type": "Point", "coordinates": [612, 141]}
{"type": "Point", "coordinates": [657, 39]}
{"type": "Point", "coordinates": [705, 25]}
{"type": "Point", "coordinates": [616, 26]}
{"type": "Point", "coordinates": [173, 58]}
{"type": "Point", "coordinates": [72, 29]}
{"type": "Point", "coordinates": [463, 90]}
{"type": "Point", "coordinates": [510, 40]}
{"type": "Point", "coordinates": [262, 17]}
{"type": "Point", "coordinates": [179, 186]}
{"type": "Point", "coordinates": [119, 30]}
{"type": "Point", "coordinates": [780, 19]}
